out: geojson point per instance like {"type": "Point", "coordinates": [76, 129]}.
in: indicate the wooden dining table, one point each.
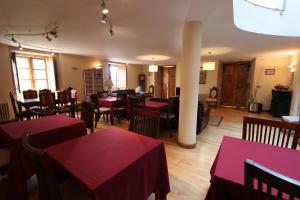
{"type": "Point", "coordinates": [115, 164]}
{"type": "Point", "coordinates": [29, 103]}
{"type": "Point", "coordinates": [227, 172]}
{"type": "Point", "coordinates": [43, 132]}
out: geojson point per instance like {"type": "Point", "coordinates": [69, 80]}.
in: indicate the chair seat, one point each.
{"type": "Point", "coordinates": [165, 116]}
{"type": "Point", "coordinates": [4, 157]}
{"type": "Point", "coordinates": [104, 109]}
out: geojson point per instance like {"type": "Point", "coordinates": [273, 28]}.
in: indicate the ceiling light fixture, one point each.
{"type": "Point", "coordinates": [20, 47]}
{"type": "Point", "coordinates": [105, 18]}
{"type": "Point", "coordinates": [104, 8]}
{"type": "Point", "coordinates": [13, 39]}
{"type": "Point", "coordinates": [48, 38]}
{"type": "Point", "coordinates": [210, 65]}
{"type": "Point", "coordinates": [153, 67]}
{"type": "Point", "coordinates": [276, 5]}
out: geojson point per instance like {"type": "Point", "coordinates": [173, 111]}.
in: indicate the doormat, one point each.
{"type": "Point", "coordinates": [215, 120]}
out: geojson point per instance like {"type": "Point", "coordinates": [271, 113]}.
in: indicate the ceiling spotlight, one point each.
{"type": "Point", "coordinates": [53, 33]}
{"type": "Point", "coordinates": [48, 38]}
{"type": "Point", "coordinates": [13, 39]}
{"type": "Point", "coordinates": [104, 19]}
{"type": "Point", "coordinates": [104, 9]}
{"type": "Point", "coordinates": [52, 53]}
{"type": "Point", "coordinates": [20, 47]}
{"type": "Point", "coordinates": [111, 31]}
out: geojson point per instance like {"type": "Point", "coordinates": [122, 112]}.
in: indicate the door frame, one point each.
{"type": "Point", "coordinates": [250, 76]}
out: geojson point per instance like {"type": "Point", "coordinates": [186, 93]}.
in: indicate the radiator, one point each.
{"type": "Point", "coordinates": [4, 112]}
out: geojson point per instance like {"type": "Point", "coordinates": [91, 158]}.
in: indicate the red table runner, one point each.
{"type": "Point", "coordinates": [227, 172]}
{"type": "Point", "coordinates": [156, 105]}
{"type": "Point", "coordinates": [115, 164]}
{"type": "Point", "coordinates": [44, 132]}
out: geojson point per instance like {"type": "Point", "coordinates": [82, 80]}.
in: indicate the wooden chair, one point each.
{"type": "Point", "coordinates": [103, 94]}
{"type": "Point", "coordinates": [44, 91]}
{"type": "Point", "coordinates": [121, 105]}
{"type": "Point", "coordinates": [134, 101]}
{"type": "Point", "coordinates": [151, 90]}
{"type": "Point", "coordinates": [99, 110]}
{"type": "Point", "coordinates": [171, 114]}
{"type": "Point", "coordinates": [49, 187]}
{"type": "Point", "coordinates": [87, 115]}
{"type": "Point", "coordinates": [18, 113]}
{"type": "Point", "coordinates": [47, 104]}
{"type": "Point", "coordinates": [260, 181]}
{"type": "Point", "coordinates": [130, 91]}
{"type": "Point", "coordinates": [158, 99]}
{"type": "Point", "coordinates": [213, 97]}
{"type": "Point", "coordinates": [65, 103]}
{"type": "Point", "coordinates": [145, 122]}
{"type": "Point", "coordinates": [271, 132]}
{"type": "Point", "coordinates": [30, 94]}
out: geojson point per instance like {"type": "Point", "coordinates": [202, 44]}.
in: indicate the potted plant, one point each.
{"type": "Point", "coordinates": [254, 106]}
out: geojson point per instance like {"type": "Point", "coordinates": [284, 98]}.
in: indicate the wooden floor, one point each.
{"type": "Point", "coordinates": [189, 168]}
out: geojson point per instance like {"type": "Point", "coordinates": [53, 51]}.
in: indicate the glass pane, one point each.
{"type": "Point", "coordinates": [122, 78]}
{"type": "Point", "coordinates": [25, 85]}
{"type": "Point", "coordinates": [22, 62]}
{"type": "Point", "coordinates": [38, 64]}
{"type": "Point", "coordinates": [24, 73]}
{"type": "Point", "coordinates": [40, 74]}
{"type": "Point", "coordinates": [41, 84]}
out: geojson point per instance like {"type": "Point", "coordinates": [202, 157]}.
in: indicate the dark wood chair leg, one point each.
{"type": "Point", "coordinates": [169, 127]}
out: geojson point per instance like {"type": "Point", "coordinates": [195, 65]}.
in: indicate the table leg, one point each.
{"type": "Point", "coordinates": [112, 115]}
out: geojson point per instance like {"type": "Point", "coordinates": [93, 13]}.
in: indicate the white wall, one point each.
{"type": "Point", "coordinates": [133, 72]}
{"type": "Point", "coordinates": [282, 75]}
{"type": "Point", "coordinates": [295, 107]}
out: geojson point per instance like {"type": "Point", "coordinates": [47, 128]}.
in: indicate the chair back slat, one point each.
{"type": "Point", "coordinates": [87, 115]}
{"type": "Point", "coordinates": [64, 97]}
{"type": "Point", "coordinates": [277, 133]}
{"type": "Point", "coordinates": [145, 122]}
{"type": "Point", "coordinates": [262, 183]}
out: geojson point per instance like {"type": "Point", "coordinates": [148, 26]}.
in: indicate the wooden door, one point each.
{"type": "Point", "coordinates": [235, 84]}
{"type": "Point", "coordinates": [172, 82]}
{"type": "Point", "coordinates": [168, 82]}
{"type": "Point", "coordinates": [165, 82]}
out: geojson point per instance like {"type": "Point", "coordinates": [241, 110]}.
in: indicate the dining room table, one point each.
{"type": "Point", "coordinates": [43, 133]}
{"type": "Point", "coordinates": [156, 106]}
{"type": "Point", "coordinates": [227, 171]}
{"type": "Point", "coordinates": [115, 164]}
{"type": "Point", "coordinates": [111, 103]}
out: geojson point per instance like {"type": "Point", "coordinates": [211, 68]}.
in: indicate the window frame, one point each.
{"type": "Point", "coordinates": [116, 79]}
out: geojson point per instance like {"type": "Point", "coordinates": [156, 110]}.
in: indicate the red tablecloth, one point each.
{"type": "Point", "coordinates": [227, 172]}
{"type": "Point", "coordinates": [115, 164]}
{"type": "Point", "coordinates": [156, 105]}
{"type": "Point", "coordinates": [45, 132]}
{"type": "Point", "coordinates": [109, 102]}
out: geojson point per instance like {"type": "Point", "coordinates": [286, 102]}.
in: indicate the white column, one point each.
{"type": "Point", "coordinates": [190, 68]}
{"type": "Point", "coordinates": [295, 107]}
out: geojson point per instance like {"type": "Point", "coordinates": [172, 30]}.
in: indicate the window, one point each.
{"type": "Point", "coordinates": [118, 75]}
{"type": "Point", "coordinates": [34, 73]}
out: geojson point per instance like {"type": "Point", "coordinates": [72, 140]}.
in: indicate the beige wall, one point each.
{"type": "Point", "coordinates": [282, 75]}
{"type": "Point", "coordinates": [70, 71]}
{"type": "Point", "coordinates": [6, 78]}
{"type": "Point", "coordinates": [133, 72]}
{"type": "Point", "coordinates": [211, 80]}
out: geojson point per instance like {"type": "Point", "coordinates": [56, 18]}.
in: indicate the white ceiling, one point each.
{"type": "Point", "coordinates": [141, 27]}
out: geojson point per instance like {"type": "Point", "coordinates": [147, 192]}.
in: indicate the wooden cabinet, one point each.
{"type": "Point", "coordinates": [93, 81]}
{"type": "Point", "coordinates": [281, 103]}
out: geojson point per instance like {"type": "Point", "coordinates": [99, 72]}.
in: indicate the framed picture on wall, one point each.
{"type": "Point", "coordinates": [270, 71]}
{"type": "Point", "coordinates": [202, 76]}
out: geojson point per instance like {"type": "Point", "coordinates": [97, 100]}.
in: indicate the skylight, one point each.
{"type": "Point", "coordinates": [271, 17]}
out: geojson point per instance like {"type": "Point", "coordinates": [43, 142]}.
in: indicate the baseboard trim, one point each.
{"type": "Point", "coordinates": [186, 146]}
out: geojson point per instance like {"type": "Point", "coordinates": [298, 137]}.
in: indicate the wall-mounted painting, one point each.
{"type": "Point", "coordinates": [202, 77]}
{"type": "Point", "coordinates": [270, 71]}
